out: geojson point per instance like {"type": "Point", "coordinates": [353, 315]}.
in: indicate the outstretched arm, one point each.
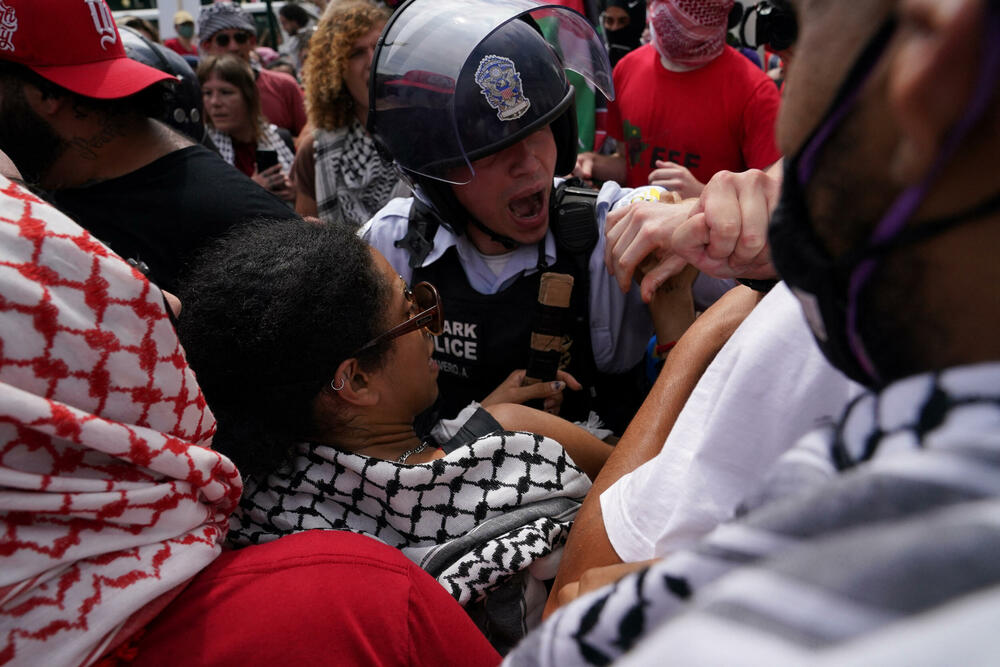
{"type": "Point", "coordinates": [588, 545]}
{"type": "Point", "coordinates": [586, 450]}
{"type": "Point", "coordinates": [726, 233]}
{"type": "Point", "coordinates": [722, 233]}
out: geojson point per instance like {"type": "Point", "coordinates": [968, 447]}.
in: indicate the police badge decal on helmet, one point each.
{"type": "Point", "coordinates": [500, 83]}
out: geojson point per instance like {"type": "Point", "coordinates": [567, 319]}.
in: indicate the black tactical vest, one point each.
{"type": "Point", "coordinates": [487, 336]}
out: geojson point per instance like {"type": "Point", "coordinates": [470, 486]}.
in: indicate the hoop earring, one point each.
{"type": "Point", "coordinates": [342, 383]}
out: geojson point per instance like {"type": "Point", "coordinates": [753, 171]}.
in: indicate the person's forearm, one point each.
{"type": "Point", "coordinates": [587, 451]}
{"type": "Point", "coordinates": [588, 544]}
{"type": "Point", "coordinates": [672, 315]}
{"type": "Point", "coordinates": [672, 307]}
{"type": "Point", "coordinates": [609, 168]}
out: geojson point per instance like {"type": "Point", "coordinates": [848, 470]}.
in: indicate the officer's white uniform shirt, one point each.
{"type": "Point", "coordinates": [620, 325]}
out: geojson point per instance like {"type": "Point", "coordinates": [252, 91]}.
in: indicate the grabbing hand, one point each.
{"type": "Point", "coordinates": [676, 178]}
{"type": "Point", "coordinates": [512, 390]}
{"type": "Point", "coordinates": [726, 234]}
{"type": "Point", "coordinates": [640, 235]}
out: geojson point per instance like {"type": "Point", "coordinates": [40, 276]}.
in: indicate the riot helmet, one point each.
{"type": "Point", "coordinates": [182, 107]}
{"type": "Point", "coordinates": [454, 81]}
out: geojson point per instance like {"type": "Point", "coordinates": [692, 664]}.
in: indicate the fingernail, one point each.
{"type": "Point", "coordinates": [558, 385]}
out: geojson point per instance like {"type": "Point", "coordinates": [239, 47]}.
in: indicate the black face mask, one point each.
{"type": "Point", "coordinates": [832, 290]}
{"type": "Point", "coordinates": [624, 40]}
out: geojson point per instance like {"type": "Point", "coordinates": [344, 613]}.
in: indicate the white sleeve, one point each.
{"type": "Point", "coordinates": [385, 228]}
{"type": "Point", "coordinates": [768, 386]}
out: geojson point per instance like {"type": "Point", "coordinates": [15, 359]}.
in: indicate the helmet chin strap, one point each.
{"type": "Point", "coordinates": [505, 241]}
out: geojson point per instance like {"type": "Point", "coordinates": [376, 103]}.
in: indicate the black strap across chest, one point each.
{"type": "Point", "coordinates": [488, 335]}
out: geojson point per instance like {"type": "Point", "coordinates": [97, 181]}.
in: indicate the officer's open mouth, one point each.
{"type": "Point", "coordinates": [527, 207]}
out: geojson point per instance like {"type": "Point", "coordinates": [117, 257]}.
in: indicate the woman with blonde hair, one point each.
{"type": "Point", "coordinates": [237, 125]}
{"type": "Point", "coordinates": [339, 175]}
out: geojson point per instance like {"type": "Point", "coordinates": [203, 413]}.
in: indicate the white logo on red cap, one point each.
{"type": "Point", "coordinates": [104, 23]}
{"type": "Point", "coordinates": [8, 26]}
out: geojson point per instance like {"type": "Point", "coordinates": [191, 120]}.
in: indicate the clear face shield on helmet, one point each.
{"type": "Point", "coordinates": [455, 80]}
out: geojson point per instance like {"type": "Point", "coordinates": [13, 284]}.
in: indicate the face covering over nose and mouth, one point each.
{"type": "Point", "coordinates": [832, 291]}
{"type": "Point", "coordinates": [622, 41]}
{"type": "Point", "coordinates": [689, 33]}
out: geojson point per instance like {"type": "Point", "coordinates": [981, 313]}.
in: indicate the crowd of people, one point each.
{"type": "Point", "coordinates": [373, 350]}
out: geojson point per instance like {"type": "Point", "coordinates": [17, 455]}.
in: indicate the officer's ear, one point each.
{"type": "Point", "coordinates": [932, 77]}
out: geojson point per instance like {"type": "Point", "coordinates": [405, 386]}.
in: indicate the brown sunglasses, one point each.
{"type": "Point", "coordinates": [429, 315]}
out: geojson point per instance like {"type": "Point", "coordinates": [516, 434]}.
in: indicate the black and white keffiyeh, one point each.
{"type": "Point", "coordinates": [878, 533]}
{"type": "Point", "coordinates": [269, 140]}
{"type": "Point", "coordinates": [352, 180]}
{"type": "Point", "coordinates": [488, 513]}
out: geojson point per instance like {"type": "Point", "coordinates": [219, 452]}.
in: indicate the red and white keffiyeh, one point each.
{"type": "Point", "coordinates": [109, 504]}
{"type": "Point", "coordinates": [690, 33]}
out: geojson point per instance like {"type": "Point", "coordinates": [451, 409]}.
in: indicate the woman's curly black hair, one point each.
{"type": "Point", "coordinates": [269, 312]}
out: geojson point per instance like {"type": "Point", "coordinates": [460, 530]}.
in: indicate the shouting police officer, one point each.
{"type": "Point", "coordinates": [473, 104]}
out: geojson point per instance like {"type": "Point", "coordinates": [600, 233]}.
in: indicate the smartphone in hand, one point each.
{"type": "Point", "coordinates": [266, 159]}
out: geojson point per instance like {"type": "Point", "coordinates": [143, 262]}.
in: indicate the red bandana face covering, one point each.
{"type": "Point", "coordinates": [690, 33]}
{"type": "Point", "coordinates": [109, 503]}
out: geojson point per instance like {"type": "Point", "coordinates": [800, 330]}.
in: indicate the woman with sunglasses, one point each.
{"type": "Point", "coordinates": [114, 507]}
{"type": "Point", "coordinates": [315, 358]}
{"type": "Point", "coordinates": [239, 130]}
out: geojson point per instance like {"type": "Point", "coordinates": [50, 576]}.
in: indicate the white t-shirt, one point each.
{"type": "Point", "coordinates": [769, 385]}
{"type": "Point", "coordinates": [496, 263]}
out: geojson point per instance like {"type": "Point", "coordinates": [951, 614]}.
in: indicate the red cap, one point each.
{"type": "Point", "coordinates": [74, 44]}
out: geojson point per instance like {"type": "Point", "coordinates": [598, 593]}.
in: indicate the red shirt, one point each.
{"type": "Point", "coordinates": [281, 100]}
{"type": "Point", "coordinates": [719, 117]}
{"type": "Point", "coordinates": [174, 44]}
{"type": "Point", "coordinates": [320, 597]}
{"type": "Point", "coordinates": [245, 157]}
